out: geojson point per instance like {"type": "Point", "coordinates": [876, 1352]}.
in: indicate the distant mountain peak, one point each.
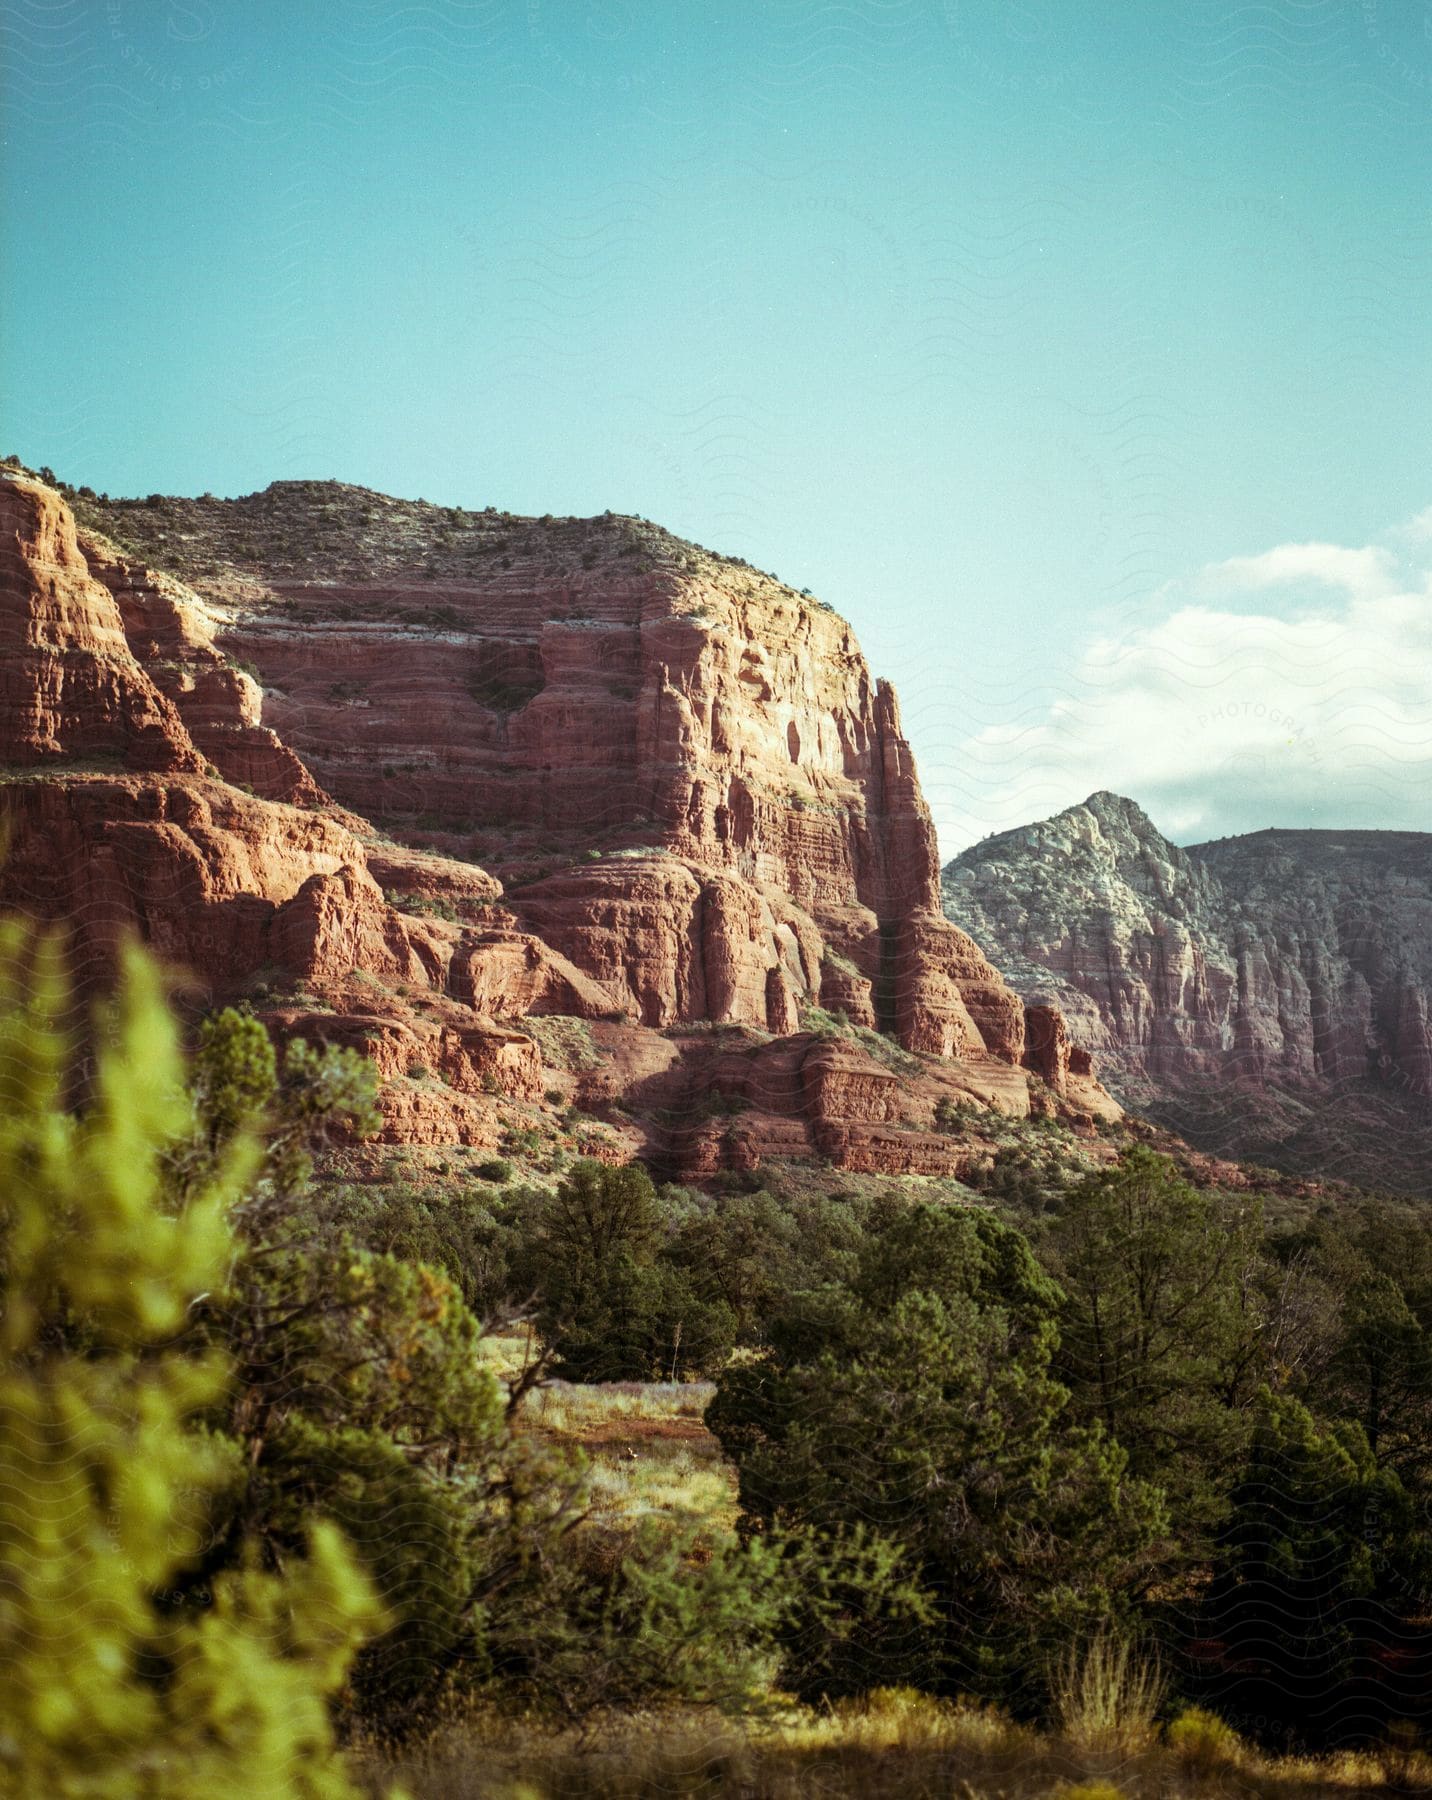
{"type": "Point", "coordinates": [1227, 984]}
{"type": "Point", "coordinates": [1110, 808]}
{"type": "Point", "coordinates": [1106, 800]}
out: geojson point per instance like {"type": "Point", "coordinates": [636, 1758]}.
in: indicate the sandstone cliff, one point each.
{"type": "Point", "coordinates": [118, 823]}
{"type": "Point", "coordinates": [681, 769]}
{"type": "Point", "coordinates": [623, 786]}
{"type": "Point", "coordinates": [1266, 994]}
{"type": "Point", "coordinates": [69, 685]}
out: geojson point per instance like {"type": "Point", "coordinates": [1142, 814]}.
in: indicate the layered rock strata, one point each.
{"type": "Point", "coordinates": [694, 805]}
{"type": "Point", "coordinates": [683, 770]}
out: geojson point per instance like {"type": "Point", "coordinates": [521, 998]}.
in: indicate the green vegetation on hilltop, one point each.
{"type": "Point", "coordinates": [322, 530]}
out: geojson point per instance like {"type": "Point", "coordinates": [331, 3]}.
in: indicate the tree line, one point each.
{"type": "Point", "coordinates": [263, 1488]}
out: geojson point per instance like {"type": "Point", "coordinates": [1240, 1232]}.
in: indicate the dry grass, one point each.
{"type": "Point", "coordinates": [1107, 1694]}
{"type": "Point", "coordinates": [574, 1409]}
{"type": "Point", "coordinates": [889, 1746]}
{"type": "Point", "coordinates": [679, 1487]}
{"type": "Point", "coordinates": [650, 1453]}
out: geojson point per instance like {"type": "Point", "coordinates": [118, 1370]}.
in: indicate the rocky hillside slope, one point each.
{"type": "Point", "coordinates": [424, 781]}
{"type": "Point", "coordinates": [1266, 995]}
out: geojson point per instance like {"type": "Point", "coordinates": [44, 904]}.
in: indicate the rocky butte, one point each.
{"type": "Point", "coordinates": [1266, 996]}
{"type": "Point", "coordinates": [544, 814]}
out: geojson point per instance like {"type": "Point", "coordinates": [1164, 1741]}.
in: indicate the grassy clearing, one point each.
{"type": "Point", "coordinates": [577, 1410]}
{"type": "Point", "coordinates": [891, 1745]}
{"type": "Point", "coordinates": [678, 1483]}
{"type": "Point", "coordinates": [646, 1443]}
{"type": "Point", "coordinates": [507, 1353]}
{"type": "Point", "coordinates": [649, 1450]}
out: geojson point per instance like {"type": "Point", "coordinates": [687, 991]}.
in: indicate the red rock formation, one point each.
{"type": "Point", "coordinates": [950, 1000]}
{"type": "Point", "coordinates": [673, 941]}
{"type": "Point", "coordinates": [512, 974]}
{"type": "Point", "coordinates": [215, 880]}
{"type": "Point", "coordinates": [69, 685]}
{"type": "Point", "coordinates": [706, 810]}
{"type": "Point", "coordinates": [170, 633]}
{"type": "Point", "coordinates": [472, 1057]}
{"type": "Point", "coordinates": [1047, 1049]}
{"type": "Point", "coordinates": [734, 1104]}
{"type": "Point", "coordinates": [537, 708]}
{"type": "Point", "coordinates": [844, 991]}
{"type": "Point", "coordinates": [221, 882]}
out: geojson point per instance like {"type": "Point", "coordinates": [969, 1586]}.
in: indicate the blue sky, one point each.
{"type": "Point", "coordinates": [1019, 331]}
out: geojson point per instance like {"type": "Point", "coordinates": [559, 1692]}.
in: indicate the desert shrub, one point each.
{"type": "Point", "coordinates": [859, 1617]}
{"type": "Point", "coordinates": [899, 1718]}
{"type": "Point", "coordinates": [409, 1532]}
{"type": "Point", "coordinates": [740, 1253]}
{"type": "Point", "coordinates": [291, 1106]}
{"type": "Point", "coordinates": [359, 1399]}
{"type": "Point", "coordinates": [362, 1398]}
{"type": "Point", "coordinates": [1365, 1281]}
{"type": "Point", "coordinates": [610, 1305]}
{"type": "Point", "coordinates": [629, 1617]}
{"type": "Point", "coordinates": [433, 906]}
{"type": "Point", "coordinates": [1202, 1741]}
{"type": "Point", "coordinates": [1161, 1326]}
{"type": "Point", "coordinates": [955, 1116]}
{"type": "Point", "coordinates": [453, 1229]}
{"type": "Point", "coordinates": [1321, 1551]}
{"type": "Point", "coordinates": [110, 1489]}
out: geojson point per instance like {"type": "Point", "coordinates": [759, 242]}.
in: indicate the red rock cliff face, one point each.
{"type": "Point", "coordinates": [171, 634]}
{"type": "Point", "coordinates": [124, 825]}
{"type": "Point", "coordinates": [683, 770]}
{"type": "Point", "coordinates": [70, 686]}
{"type": "Point", "coordinates": [120, 825]}
{"type": "Point", "coordinates": [703, 809]}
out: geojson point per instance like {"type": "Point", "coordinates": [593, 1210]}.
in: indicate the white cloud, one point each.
{"type": "Point", "coordinates": [1219, 718]}
{"type": "Point", "coordinates": [1418, 529]}
{"type": "Point", "coordinates": [1365, 572]}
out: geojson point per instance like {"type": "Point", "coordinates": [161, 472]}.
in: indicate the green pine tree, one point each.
{"type": "Point", "coordinates": [1161, 1327]}
{"type": "Point", "coordinates": [108, 1689]}
{"type": "Point", "coordinates": [916, 1403]}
